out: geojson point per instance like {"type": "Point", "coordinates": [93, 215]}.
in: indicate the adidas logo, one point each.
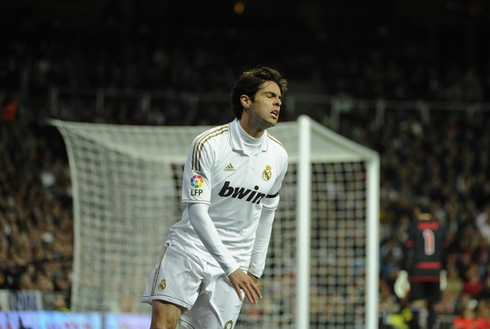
{"type": "Point", "coordinates": [229, 167]}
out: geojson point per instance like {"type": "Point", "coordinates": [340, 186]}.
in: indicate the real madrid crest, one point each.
{"type": "Point", "coordinates": [162, 285]}
{"type": "Point", "coordinates": [267, 173]}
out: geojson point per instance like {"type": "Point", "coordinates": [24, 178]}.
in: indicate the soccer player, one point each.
{"type": "Point", "coordinates": [424, 261]}
{"type": "Point", "coordinates": [214, 257]}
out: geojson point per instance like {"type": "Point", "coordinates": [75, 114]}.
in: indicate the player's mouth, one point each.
{"type": "Point", "coordinates": [275, 114]}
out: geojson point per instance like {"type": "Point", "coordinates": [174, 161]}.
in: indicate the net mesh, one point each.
{"type": "Point", "coordinates": [338, 243]}
{"type": "Point", "coordinates": [127, 181]}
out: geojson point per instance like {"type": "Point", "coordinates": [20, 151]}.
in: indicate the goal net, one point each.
{"type": "Point", "coordinates": [322, 266]}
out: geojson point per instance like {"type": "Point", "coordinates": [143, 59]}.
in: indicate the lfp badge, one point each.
{"type": "Point", "coordinates": [196, 183]}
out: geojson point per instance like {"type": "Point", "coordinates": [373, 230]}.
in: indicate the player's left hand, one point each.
{"type": "Point", "coordinates": [242, 281]}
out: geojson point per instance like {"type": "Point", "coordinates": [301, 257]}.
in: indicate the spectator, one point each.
{"type": "Point", "coordinates": [483, 222]}
{"type": "Point", "coordinates": [451, 293]}
{"type": "Point", "coordinates": [60, 304]}
{"type": "Point", "coordinates": [10, 107]}
{"type": "Point", "coordinates": [468, 319]}
{"type": "Point", "coordinates": [473, 284]}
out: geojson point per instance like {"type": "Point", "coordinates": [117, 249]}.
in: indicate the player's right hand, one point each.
{"type": "Point", "coordinates": [241, 281]}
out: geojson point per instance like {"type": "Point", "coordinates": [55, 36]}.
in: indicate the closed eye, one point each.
{"type": "Point", "coordinates": [273, 95]}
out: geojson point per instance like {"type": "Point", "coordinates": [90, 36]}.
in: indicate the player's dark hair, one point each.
{"type": "Point", "coordinates": [249, 83]}
{"type": "Point", "coordinates": [423, 210]}
{"type": "Point", "coordinates": [423, 207]}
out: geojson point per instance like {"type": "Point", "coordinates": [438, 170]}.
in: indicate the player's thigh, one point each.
{"type": "Point", "coordinates": [434, 292]}
{"type": "Point", "coordinates": [428, 291]}
{"type": "Point", "coordinates": [218, 305]}
{"type": "Point", "coordinates": [176, 279]}
{"type": "Point", "coordinates": [226, 301]}
{"type": "Point", "coordinates": [164, 315]}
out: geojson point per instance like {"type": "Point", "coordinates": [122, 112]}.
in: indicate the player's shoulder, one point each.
{"type": "Point", "coordinates": [212, 134]}
{"type": "Point", "coordinates": [214, 131]}
{"type": "Point", "coordinates": [275, 143]}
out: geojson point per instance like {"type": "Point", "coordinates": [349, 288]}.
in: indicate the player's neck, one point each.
{"type": "Point", "coordinates": [248, 137]}
{"type": "Point", "coordinates": [249, 129]}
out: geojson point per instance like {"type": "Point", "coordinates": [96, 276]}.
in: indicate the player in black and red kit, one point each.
{"type": "Point", "coordinates": [425, 260]}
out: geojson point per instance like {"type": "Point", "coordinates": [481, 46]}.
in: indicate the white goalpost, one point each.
{"type": "Point", "coordinates": [322, 266]}
{"type": "Point", "coordinates": [357, 192]}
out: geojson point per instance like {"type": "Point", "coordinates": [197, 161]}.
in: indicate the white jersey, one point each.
{"type": "Point", "coordinates": [236, 185]}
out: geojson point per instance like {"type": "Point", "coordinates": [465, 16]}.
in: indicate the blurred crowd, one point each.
{"type": "Point", "coordinates": [444, 158]}
{"type": "Point", "coordinates": [36, 219]}
{"type": "Point", "coordinates": [446, 162]}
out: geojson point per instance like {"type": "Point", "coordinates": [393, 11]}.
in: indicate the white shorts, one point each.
{"type": "Point", "coordinates": [202, 289]}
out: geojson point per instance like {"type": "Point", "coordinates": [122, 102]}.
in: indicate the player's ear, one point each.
{"type": "Point", "coordinates": [245, 101]}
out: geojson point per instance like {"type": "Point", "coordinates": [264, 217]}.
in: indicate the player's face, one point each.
{"type": "Point", "coordinates": [264, 110]}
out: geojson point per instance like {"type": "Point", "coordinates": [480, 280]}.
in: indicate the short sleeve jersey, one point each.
{"type": "Point", "coordinates": [236, 186]}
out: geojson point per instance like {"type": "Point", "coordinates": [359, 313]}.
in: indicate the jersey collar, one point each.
{"type": "Point", "coordinates": [237, 141]}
